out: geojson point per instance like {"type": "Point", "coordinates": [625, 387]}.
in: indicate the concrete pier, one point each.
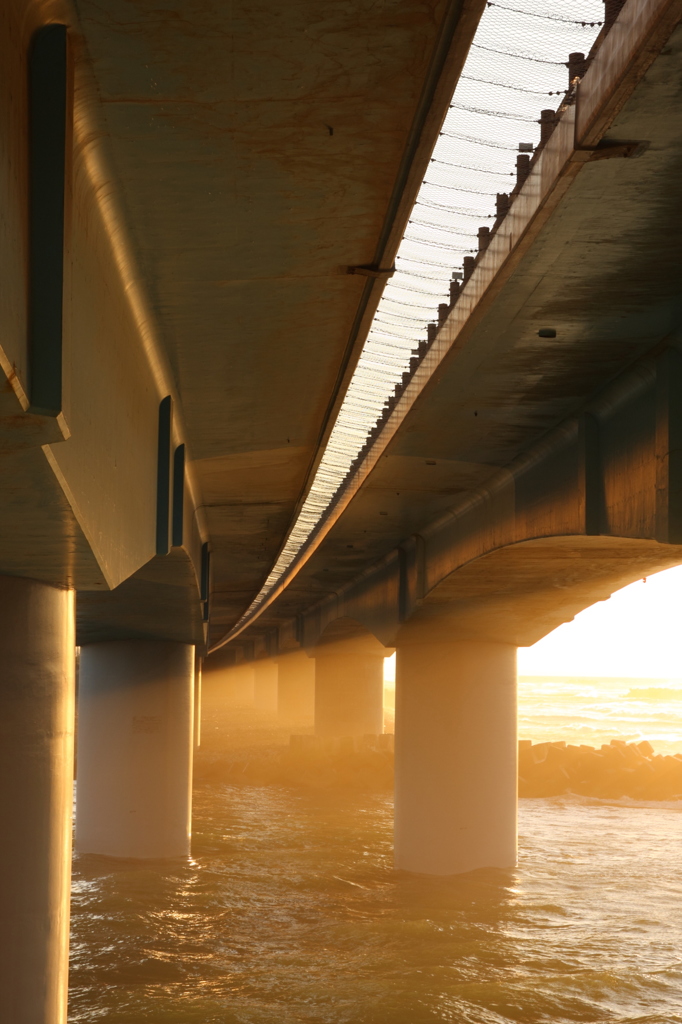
{"type": "Point", "coordinates": [265, 678]}
{"type": "Point", "coordinates": [135, 746]}
{"type": "Point", "coordinates": [296, 689]}
{"type": "Point", "coordinates": [230, 687]}
{"type": "Point", "coordinates": [455, 757]}
{"type": "Point", "coordinates": [37, 655]}
{"type": "Point", "coordinates": [349, 687]}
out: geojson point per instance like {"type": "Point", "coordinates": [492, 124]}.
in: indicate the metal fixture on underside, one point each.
{"type": "Point", "coordinates": [517, 61]}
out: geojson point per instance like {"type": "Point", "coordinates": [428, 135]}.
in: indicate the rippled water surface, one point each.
{"type": "Point", "coordinates": [291, 912]}
{"type": "Point", "coordinates": [597, 710]}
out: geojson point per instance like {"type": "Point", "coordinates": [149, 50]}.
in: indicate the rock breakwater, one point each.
{"type": "Point", "coordinates": [364, 762]}
{"type": "Point", "coordinates": [615, 770]}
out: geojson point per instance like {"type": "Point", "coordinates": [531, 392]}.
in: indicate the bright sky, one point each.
{"type": "Point", "coordinates": [637, 632]}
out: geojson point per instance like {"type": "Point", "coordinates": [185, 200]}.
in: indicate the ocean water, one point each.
{"type": "Point", "coordinates": [597, 710]}
{"type": "Point", "coordinates": [290, 910]}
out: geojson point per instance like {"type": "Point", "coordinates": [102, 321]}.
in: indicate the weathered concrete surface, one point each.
{"type": "Point", "coordinates": [227, 163]}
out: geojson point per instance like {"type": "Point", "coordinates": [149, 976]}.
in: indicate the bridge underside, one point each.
{"type": "Point", "coordinates": [225, 167]}
{"type": "Point", "coordinates": [512, 436]}
{"type": "Point", "coordinates": [260, 151]}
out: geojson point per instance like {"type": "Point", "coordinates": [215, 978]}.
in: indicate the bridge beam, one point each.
{"type": "Point", "coordinates": [36, 772]}
{"type": "Point", "coordinates": [455, 756]}
{"type": "Point", "coordinates": [135, 745]}
{"type": "Point", "coordinates": [349, 687]}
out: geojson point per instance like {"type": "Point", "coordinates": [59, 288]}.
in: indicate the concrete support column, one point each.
{"type": "Point", "coordinates": [198, 664]}
{"type": "Point", "coordinates": [232, 687]}
{"type": "Point", "coordinates": [455, 757]}
{"type": "Point", "coordinates": [296, 689]}
{"type": "Point", "coordinates": [349, 687]}
{"type": "Point", "coordinates": [135, 745]}
{"type": "Point", "coordinates": [37, 659]}
{"type": "Point", "coordinates": [265, 685]}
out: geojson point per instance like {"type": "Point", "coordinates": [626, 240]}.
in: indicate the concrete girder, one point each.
{"type": "Point", "coordinates": [245, 255]}
{"type": "Point", "coordinates": [173, 138]}
{"type": "Point", "coordinates": [80, 504]}
{"type": "Point", "coordinates": [590, 508]}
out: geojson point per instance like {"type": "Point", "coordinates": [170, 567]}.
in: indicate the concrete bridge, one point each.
{"type": "Point", "coordinates": [183, 193]}
{"type": "Point", "coordinates": [529, 466]}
